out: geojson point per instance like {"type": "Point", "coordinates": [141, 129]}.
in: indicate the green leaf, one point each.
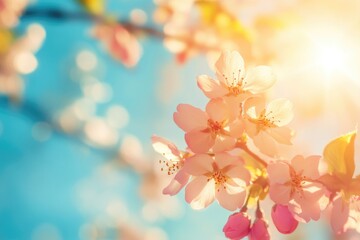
{"type": "Point", "coordinates": [339, 155]}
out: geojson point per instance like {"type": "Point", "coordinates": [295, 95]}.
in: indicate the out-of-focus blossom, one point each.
{"type": "Point", "coordinates": [232, 80]}
{"type": "Point", "coordinates": [215, 129]}
{"type": "Point", "coordinates": [259, 230]}
{"type": "Point", "coordinates": [173, 165]}
{"type": "Point", "coordinates": [10, 11]}
{"type": "Point", "coordinates": [19, 59]}
{"type": "Point", "coordinates": [294, 185]}
{"type": "Point", "coordinates": [283, 219]}
{"type": "Point", "coordinates": [193, 27]}
{"type": "Point", "coordinates": [222, 177]}
{"type": "Point", "coordinates": [120, 43]}
{"type": "Point", "coordinates": [237, 226]}
{"type": "Point", "coordinates": [266, 124]}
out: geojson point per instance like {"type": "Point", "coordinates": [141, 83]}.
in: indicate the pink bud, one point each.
{"type": "Point", "coordinates": [283, 219]}
{"type": "Point", "coordinates": [259, 230]}
{"type": "Point", "coordinates": [237, 226]}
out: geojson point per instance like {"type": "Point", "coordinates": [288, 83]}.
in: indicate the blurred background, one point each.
{"type": "Point", "coordinates": [85, 84]}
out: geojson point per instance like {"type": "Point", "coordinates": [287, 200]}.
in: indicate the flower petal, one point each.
{"type": "Point", "coordinates": [339, 215]}
{"type": "Point", "coordinates": [199, 164]}
{"type": "Point", "coordinates": [230, 201]}
{"type": "Point", "coordinates": [259, 79]}
{"type": "Point", "coordinates": [230, 68]}
{"type": "Point", "coordinates": [309, 167]}
{"type": "Point", "coordinates": [199, 141]}
{"type": "Point", "coordinates": [280, 111]}
{"type": "Point", "coordinates": [280, 193]}
{"type": "Point", "coordinates": [177, 183]}
{"type": "Point", "coordinates": [217, 110]}
{"type": "Point", "coordinates": [165, 147]}
{"type": "Point", "coordinates": [278, 172]}
{"type": "Point", "coordinates": [266, 144]}
{"type": "Point", "coordinates": [200, 192]}
{"type": "Point", "coordinates": [189, 117]}
{"type": "Point", "coordinates": [210, 87]}
{"type": "Point", "coordinates": [223, 143]}
{"type": "Point", "coordinates": [282, 135]}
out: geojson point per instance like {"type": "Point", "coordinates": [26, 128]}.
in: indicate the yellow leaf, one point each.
{"type": "Point", "coordinates": [93, 6]}
{"type": "Point", "coordinates": [339, 155]}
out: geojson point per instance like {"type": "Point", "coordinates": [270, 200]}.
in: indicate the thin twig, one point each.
{"type": "Point", "coordinates": [245, 148]}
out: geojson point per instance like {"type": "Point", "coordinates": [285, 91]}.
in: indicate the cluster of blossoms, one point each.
{"type": "Point", "coordinates": [221, 163]}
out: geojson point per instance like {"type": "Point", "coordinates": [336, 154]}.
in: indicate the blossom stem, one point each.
{"type": "Point", "coordinates": [245, 148]}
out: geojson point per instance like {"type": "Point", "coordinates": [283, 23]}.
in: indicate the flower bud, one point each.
{"type": "Point", "coordinates": [283, 219]}
{"type": "Point", "coordinates": [259, 230]}
{"type": "Point", "coordinates": [237, 226]}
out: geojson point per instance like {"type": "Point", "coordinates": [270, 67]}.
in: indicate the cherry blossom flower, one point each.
{"type": "Point", "coordinates": [294, 185]}
{"type": "Point", "coordinates": [217, 128]}
{"type": "Point", "coordinates": [120, 43]}
{"type": "Point", "coordinates": [173, 165]}
{"type": "Point", "coordinates": [237, 226]}
{"type": "Point", "coordinates": [266, 124]}
{"type": "Point", "coordinates": [220, 177]}
{"type": "Point", "coordinates": [232, 80]}
{"type": "Point", "coordinates": [283, 219]}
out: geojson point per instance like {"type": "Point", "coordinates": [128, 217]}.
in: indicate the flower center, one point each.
{"type": "Point", "coordinates": [297, 181]}
{"type": "Point", "coordinates": [265, 120]}
{"type": "Point", "coordinates": [214, 126]}
{"type": "Point", "coordinates": [171, 166]}
{"type": "Point", "coordinates": [236, 85]}
{"type": "Point", "coordinates": [219, 179]}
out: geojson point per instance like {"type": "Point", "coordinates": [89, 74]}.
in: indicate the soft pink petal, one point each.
{"type": "Point", "coordinates": [239, 176]}
{"type": "Point", "coordinates": [278, 172]}
{"type": "Point", "coordinates": [199, 164]}
{"type": "Point", "coordinates": [230, 201]}
{"type": "Point", "coordinates": [266, 144]}
{"type": "Point", "coordinates": [200, 192]}
{"type": "Point", "coordinates": [236, 128]}
{"type": "Point", "coordinates": [282, 135]}
{"type": "Point", "coordinates": [165, 147]}
{"type": "Point", "coordinates": [251, 128]}
{"type": "Point", "coordinates": [309, 167]}
{"type": "Point", "coordinates": [259, 230]}
{"type": "Point", "coordinates": [217, 110]}
{"type": "Point", "coordinates": [223, 143]}
{"type": "Point", "coordinates": [339, 215]}
{"type": "Point", "coordinates": [199, 141]}
{"type": "Point", "coordinates": [210, 87]}
{"type": "Point", "coordinates": [177, 183]}
{"type": "Point", "coordinates": [280, 111]}
{"type": "Point", "coordinates": [308, 199]}
{"type": "Point", "coordinates": [230, 68]}
{"type": "Point", "coordinates": [280, 193]}
{"type": "Point", "coordinates": [254, 106]}
{"type": "Point", "coordinates": [188, 117]}
{"type": "Point", "coordinates": [223, 160]}
{"type": "Point", "coordinates": [259, 79]}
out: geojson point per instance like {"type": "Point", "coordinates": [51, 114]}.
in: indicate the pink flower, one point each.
{"type": "Point", "coordinates": [173, 165]}
{"type": "Point", "coordinates": [231, 77]}
{"type": "Point", "coordinates": [217, 128]}
{"type": "Point", "coordinates": [259, 230]}
{"type": "Point", "coordinates": [293, 185]}
{"type": "Point", "coordinates": [121, 44]}
{"type": "Point", "coordinates": [220, 177]}
{"type": "Point", "coordinates": [237, 226]}
{"type": "Point", "coordinates": [283, 219]}
{"type": "Point", "coordinates": [266, 124]}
